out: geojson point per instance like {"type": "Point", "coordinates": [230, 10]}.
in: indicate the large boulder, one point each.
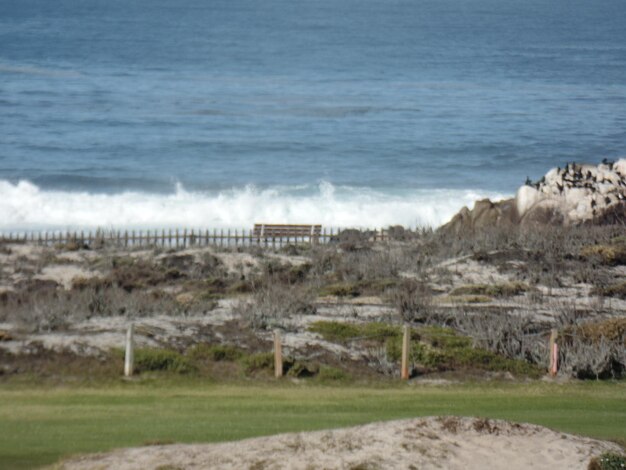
{"type": "Point", "coordinates": [577, 194]}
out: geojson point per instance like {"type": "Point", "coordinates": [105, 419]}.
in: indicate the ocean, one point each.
{"type": "Point", "coordinates": [223, 113]}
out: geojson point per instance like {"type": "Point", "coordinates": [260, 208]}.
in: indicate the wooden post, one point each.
{"type": "Point", "coordinates": [278, 355]}
{"type": "Point", "coordinates": [129, 359]}
{"type": "Point", "coordinates": [553, 350]}
{"type": "Point", "coordinates": [404, 373]}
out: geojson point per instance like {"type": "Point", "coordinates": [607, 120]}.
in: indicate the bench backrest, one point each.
{"type": "Point", "coordinates": [266, 231]}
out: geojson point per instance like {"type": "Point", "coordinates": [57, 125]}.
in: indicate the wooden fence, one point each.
{"type": "Point", "coordinates": [177, 238]}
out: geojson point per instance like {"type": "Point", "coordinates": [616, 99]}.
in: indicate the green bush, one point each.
{"type": "Point", "coordinates": [608, 461]}
{"type": "Point", "coordinates": [216, 352]}
{"type": "Point", "coordinates": [445, 338]}
{"type": "Point", "coordinates": [440, 348]}
{"type": "Point", "coordinates": [258, 362]}
{"type": "Point", "coordinates": [301, 369]}
{"type": "Point", "coordinates": [149, 359]}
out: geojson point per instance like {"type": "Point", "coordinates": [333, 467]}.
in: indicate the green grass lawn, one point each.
{"type": "Point", "coordinates": [40, 424]}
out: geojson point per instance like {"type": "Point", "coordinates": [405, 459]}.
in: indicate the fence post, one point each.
{"type": "Point", "coordinates": [129, 358]}
{"type": "Point", "coordinates": [278, 355]}
{"type": "Point", "coordinates": [554, 352]}
{"type": "Point", "coordinates": [404, 373]}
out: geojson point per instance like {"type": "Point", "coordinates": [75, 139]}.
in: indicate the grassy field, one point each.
{"type": "Point", "coordinates": [39, 425]}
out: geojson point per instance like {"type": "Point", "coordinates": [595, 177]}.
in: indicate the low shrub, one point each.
{"type": "Point", "coordinates": [438, 348]}
{"type": "Point", "coordinates": [342, 289]}
{"type": "Point", "coordinates": [608, 461]}
{"type": "Point", "coordinates": [493, 290]}
{"type": "Point", "coordinates": [300, 369]}
{"type": "Point", "coordinates": [609, 254]}
{"type": "Point", "coordinates": [341, 331]}
{"type": "Point", "coordinates": [275, 306]}
{"type": "Point", "coordinates": [613, 329]}
{"type": "Point", "coordinates": [215, 352]}
{"type": "Point", "coordinates": [258, 362]}
{"type": "Point", "coordinates": [151, 359]}
{"type": "Point", "coordinates": [615, 290]}
{"type": "Point", "coordinates": [465, 299]}
{"type": "Point", "coordinates": [413, 300]}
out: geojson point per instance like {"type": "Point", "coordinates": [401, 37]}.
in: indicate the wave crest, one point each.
{"type": "Point", "coordinates": [25, 206]}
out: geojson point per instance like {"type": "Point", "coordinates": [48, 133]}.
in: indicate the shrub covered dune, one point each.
{"type": "Point", "coordinates": [480, 309]}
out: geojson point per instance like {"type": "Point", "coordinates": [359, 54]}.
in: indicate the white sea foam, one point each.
{"type": "Point", "coordinates": [24, 206]}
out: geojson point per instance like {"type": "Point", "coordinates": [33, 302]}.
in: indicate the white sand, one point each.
{"type": "Point", "coordinates": [428, 443]}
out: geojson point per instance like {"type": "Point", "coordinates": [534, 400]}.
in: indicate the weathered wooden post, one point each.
{"type": "Point", "coordinates": [553, 350]}
{"type": "Point", "coordinates": [404, 372]}
{"type": "Point", "coordinates": [129, 358]}
{"type": "Point", "coordinates": [278, 355]}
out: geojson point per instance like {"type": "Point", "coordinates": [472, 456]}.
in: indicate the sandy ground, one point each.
{"type": "Point", "coordinates": [429, 443]}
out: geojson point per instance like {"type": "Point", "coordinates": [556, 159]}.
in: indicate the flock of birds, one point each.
{"type": "Point", "coordinates": [604, 183]}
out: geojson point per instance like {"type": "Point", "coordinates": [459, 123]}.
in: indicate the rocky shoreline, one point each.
{"type": "Point", "coordinates": [574, 195]}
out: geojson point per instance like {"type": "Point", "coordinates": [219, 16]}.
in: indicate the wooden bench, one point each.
{"type": "Point", "coordinates": [278, 232]}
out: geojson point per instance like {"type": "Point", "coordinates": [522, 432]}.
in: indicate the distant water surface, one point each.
{"type": "Point", "coordinates": [345, 112]}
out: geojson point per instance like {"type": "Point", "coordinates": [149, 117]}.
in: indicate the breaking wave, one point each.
{"type": "Point", "coordinates": [25, 206]}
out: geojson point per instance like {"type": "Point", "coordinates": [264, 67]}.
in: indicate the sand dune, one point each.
{"type": "Point", "coordinates": [427, 443]}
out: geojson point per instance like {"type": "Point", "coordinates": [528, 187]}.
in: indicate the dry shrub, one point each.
{"type": "Point", "coordinates": [586, 351]}
{"type": "Point", "coordinates": [512, 336]}
{"type": "Point", "coordinates": [413, 300]}
{"type": "Point", "coordinates": [353, 240]}
{"type": "Point", "coordinates": [53, 310]}
{"type": "Point", "coordinates": [495, 290]}
{"type": "Point", "coordinates": [603, 359]}
{"type": "Point", "coordinates": [609, 254]}
{"type": "Point", "coordinates": [276, 306]}
{"type": "Point", "coordinates": [615, 290]}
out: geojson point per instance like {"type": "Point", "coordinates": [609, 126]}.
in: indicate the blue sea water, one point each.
{"type": "Point", "coordinates": [346, 112]}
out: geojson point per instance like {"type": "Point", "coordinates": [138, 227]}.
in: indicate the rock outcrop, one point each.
{"type": "Point", "coordinates": [574, 195]}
